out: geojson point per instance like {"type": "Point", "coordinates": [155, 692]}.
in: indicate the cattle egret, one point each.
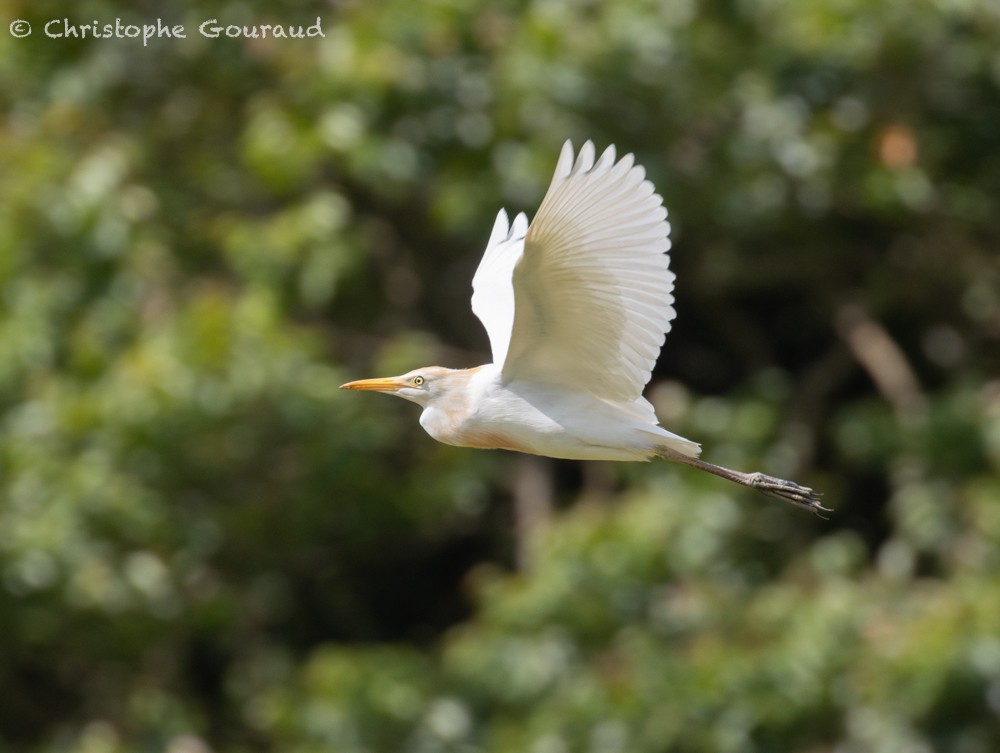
{"type": "Point", "coordinates": [576, 306]}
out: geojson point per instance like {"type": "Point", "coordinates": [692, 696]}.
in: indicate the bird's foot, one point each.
{"type": "Point", "coordinates": [788, 491]}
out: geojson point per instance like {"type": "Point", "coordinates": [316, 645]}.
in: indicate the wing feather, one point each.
{"type": "Point", "coordinates": [590, 289]}
{"type": "Point", "coordinates": [492, 289]}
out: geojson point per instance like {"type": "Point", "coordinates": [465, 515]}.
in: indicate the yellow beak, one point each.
{"type": "Point", "coordinates": [383, 384]}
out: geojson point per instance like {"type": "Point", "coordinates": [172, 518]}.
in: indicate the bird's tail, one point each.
{"type": "Point", "coordinates": [669, 445]}
{"type": "Point", "coordinates": [644, 414]}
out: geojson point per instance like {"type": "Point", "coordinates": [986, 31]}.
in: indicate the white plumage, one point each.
{"type": "Point", "coordinates": [576, 306]}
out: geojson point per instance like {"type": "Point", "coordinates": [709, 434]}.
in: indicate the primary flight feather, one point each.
{"type": "Point", "coordinates": [576, 305]}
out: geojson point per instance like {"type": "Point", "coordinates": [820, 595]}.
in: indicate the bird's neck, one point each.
{"type": "Point", "coordinates": [455, 401]}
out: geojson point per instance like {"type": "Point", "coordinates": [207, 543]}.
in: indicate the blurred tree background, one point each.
{"type": "Point", "coordinates": [205, 547]}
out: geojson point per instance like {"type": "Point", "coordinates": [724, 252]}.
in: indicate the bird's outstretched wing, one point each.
{"type": "Point", "coordinates": [492, 291]}
{"type": "Point", "coordinates": [584, 298]}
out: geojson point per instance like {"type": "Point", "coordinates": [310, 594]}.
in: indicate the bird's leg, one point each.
{"type": "Point", "coordinates": [779, 488]}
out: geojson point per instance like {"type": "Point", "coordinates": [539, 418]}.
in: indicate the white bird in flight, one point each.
{"type": "Point", "coordinates": [576, 305]}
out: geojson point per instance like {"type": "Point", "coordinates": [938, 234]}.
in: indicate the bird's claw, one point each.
{"type": "Point", "coordinates": [789, 491]}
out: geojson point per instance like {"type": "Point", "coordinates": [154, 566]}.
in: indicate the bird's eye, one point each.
{"type": "Point", "coordinates": [418, 381]}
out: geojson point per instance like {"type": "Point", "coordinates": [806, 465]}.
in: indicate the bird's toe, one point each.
{"type": "Point", "coordinates": [788, 491]}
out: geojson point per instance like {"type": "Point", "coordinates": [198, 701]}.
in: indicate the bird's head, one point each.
{"type": "Point", "coordinates": [419, 386]}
